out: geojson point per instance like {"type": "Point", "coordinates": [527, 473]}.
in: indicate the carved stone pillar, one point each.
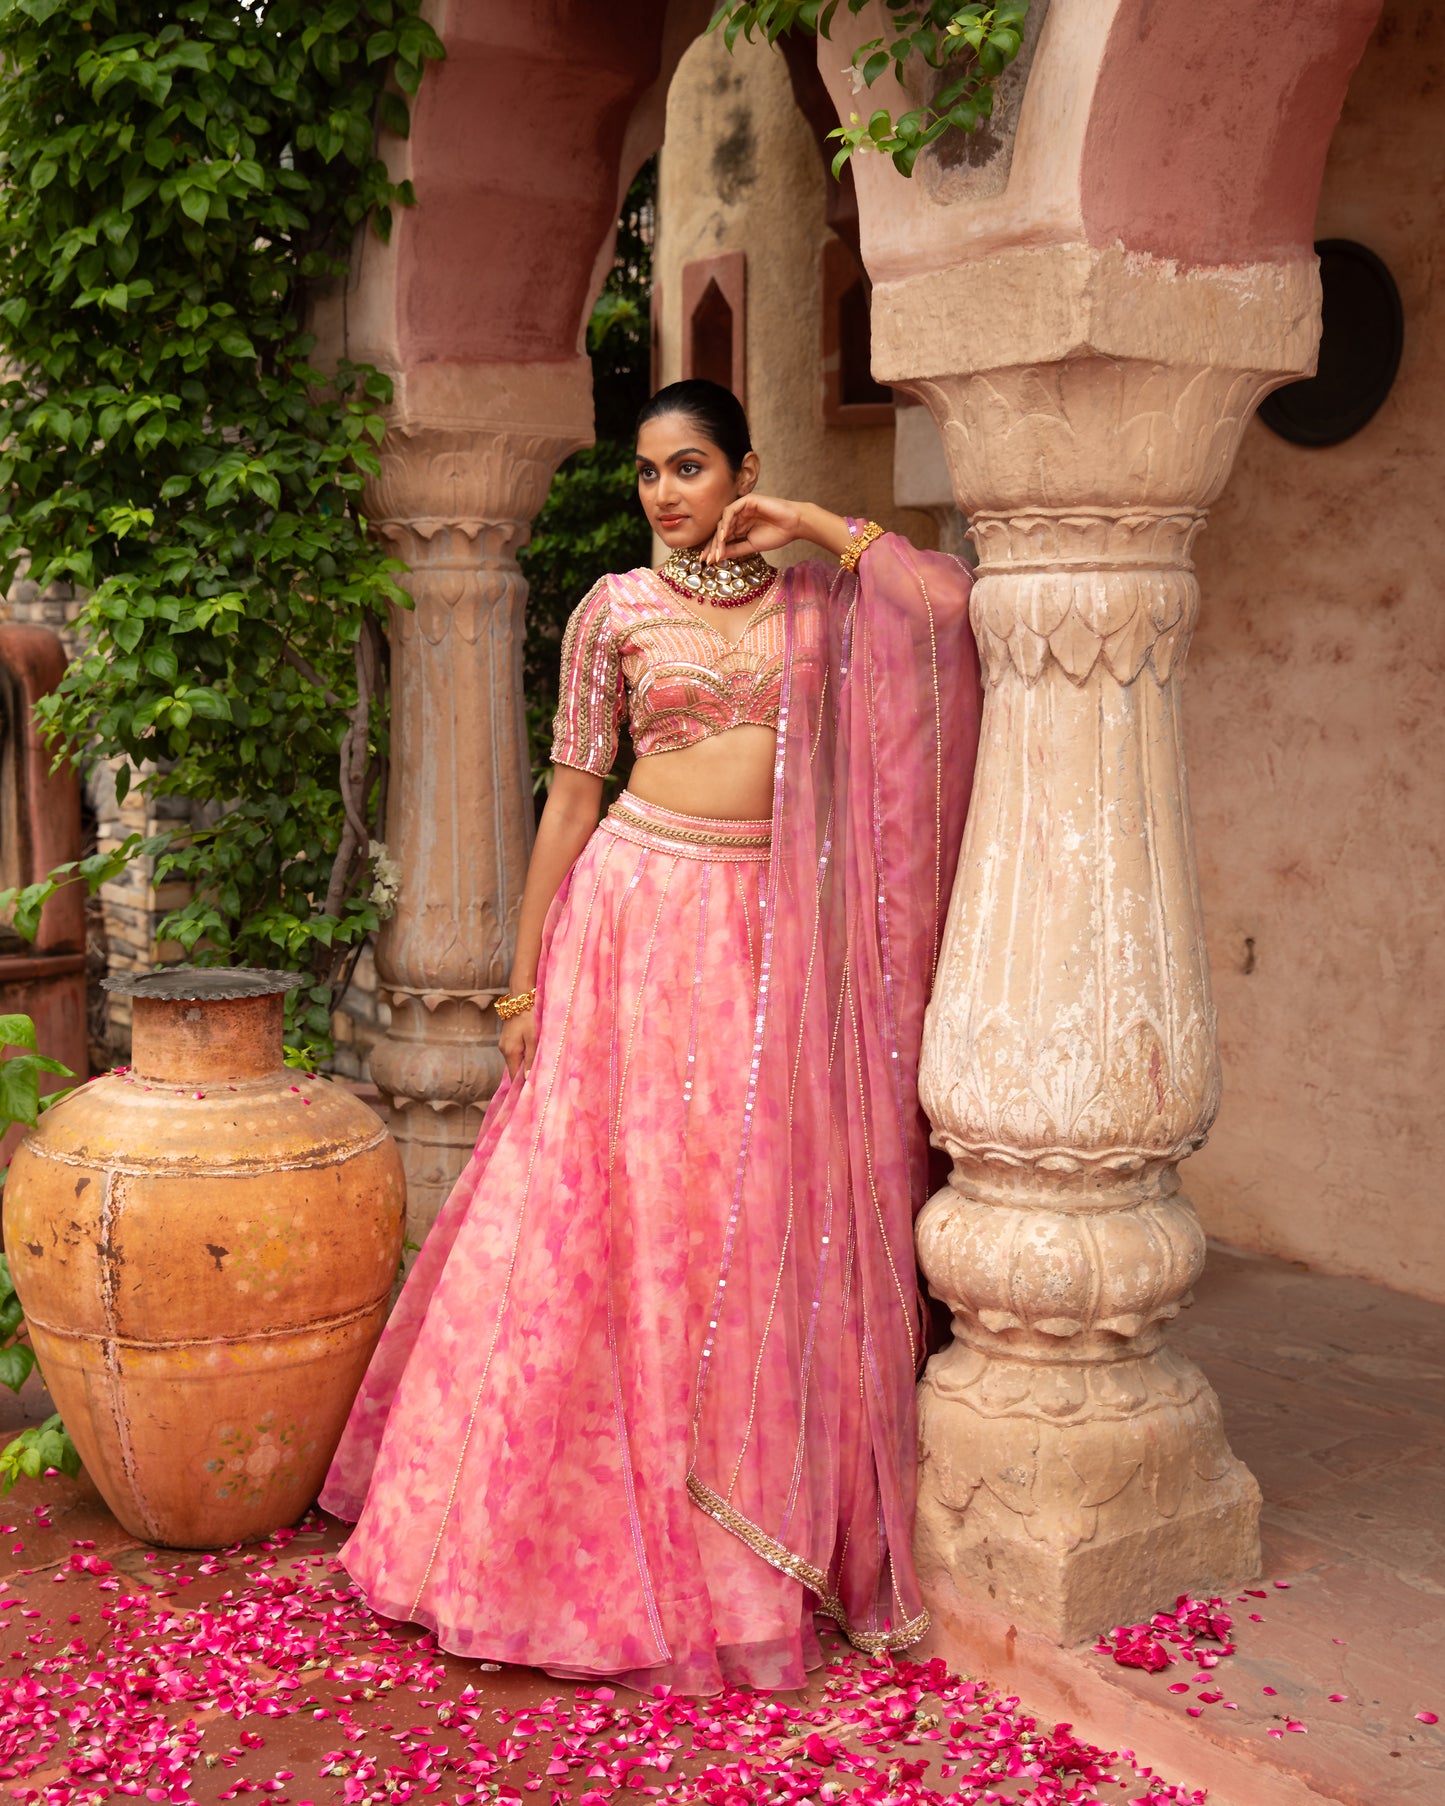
{"type": "Point", "coordinates": [1074, 1468]}
{"type": "Point", "coordinates": [455, 502]}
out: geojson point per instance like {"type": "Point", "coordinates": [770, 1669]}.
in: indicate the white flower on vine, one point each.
{"type": "Point", "coordinates": [386, 877]}
{"type": "Point", "coordinates": [855, 78]}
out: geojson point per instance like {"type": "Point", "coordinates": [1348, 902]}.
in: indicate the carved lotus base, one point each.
{"type": "Point", "coordinates": [1077, 1513]}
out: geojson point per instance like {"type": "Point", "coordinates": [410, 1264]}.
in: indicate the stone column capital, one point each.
{"type": "Point", "coordinates": [1035, 305]}
{"type": "Point", "coordinates": [470, 447]}
{"type": "Point", "coordinates": [1077, 587]}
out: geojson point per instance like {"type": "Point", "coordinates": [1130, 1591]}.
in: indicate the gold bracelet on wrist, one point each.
{"type": "Point", "coordinates": [856, 547]}
{"type": "Point", "coordinates": [507, 1007]}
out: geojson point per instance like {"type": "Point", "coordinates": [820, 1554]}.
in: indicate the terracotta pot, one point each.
{"type": "Point", "coordinates": [204, 1244]}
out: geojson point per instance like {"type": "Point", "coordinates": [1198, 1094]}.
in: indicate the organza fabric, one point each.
{"type": "Point", "coordinates": [646, 1402]}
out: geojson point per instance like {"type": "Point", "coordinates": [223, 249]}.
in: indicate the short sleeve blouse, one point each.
{"type": "Point", "coordinates": [592, 701]}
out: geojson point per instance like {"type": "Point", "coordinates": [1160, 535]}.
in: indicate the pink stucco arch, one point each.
{"type": "Point", "coordinates": [1151, 124]}
{"type": "Point", "coordinates": [516, 141]}
{"type": "Point", "coordinates": [1207, 130]}
{"type": "Point", "coordinates": [522, 142]}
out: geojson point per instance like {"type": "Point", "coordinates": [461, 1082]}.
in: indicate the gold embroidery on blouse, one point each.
{"type": "Point", "coordinates": [739, 680]}
{"type": "Point", "coordinates": [634, 649]}
{"type": "Point", "coordinates": [585, 727]}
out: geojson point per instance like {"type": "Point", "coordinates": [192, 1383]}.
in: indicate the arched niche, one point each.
{"type": "Point", "coordinates": [714, 312]}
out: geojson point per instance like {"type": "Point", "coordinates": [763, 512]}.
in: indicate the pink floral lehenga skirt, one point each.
{"type": "Point", "coordinates": [646, 1400]}
{"type": "Point", "coordinates": [529, 1504]}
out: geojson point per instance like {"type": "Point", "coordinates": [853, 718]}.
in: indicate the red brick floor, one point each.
{"type": "Point", "coordinates": [1334, 1393]}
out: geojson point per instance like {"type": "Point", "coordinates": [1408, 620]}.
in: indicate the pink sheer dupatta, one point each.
{"type": "Point", "coordinates": [804, 1425]}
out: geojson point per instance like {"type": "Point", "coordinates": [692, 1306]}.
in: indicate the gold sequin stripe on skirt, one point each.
{"type": "Point", "coordinates": [688, 836]}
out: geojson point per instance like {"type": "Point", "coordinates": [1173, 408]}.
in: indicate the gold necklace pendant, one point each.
{"type": "Point", "coordinates": [731, 584]}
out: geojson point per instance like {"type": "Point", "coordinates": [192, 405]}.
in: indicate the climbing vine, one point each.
{"type": "Point", "coordinates": [970, 45]}
{"type": "Point", "coordinates": [175, 175]}
{"type": "Point", "coordinates": [44, 1446]}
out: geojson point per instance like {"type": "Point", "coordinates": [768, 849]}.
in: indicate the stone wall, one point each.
{"type": "Point", "coordinates": [360, 1023]}
{"type": "Point", "coordinates": [1317, 764]}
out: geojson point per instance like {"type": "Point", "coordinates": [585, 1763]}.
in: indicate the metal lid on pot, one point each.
{"type": "Point", "coordinates": [202, 984]}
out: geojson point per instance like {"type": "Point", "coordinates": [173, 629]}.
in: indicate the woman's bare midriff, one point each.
{"type": "Point", "coordinates": [729, 775]}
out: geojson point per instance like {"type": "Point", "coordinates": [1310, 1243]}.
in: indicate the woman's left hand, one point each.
{"type": "Point", "coordinates": [762, 523]}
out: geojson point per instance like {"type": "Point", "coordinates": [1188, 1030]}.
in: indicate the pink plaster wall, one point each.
{"type": "Point", "coordinates": [1317, 757]}
{"type": "Point", "coordinates": [1208, 126]}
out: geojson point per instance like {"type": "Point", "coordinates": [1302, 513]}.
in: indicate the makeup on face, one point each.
{"type": "Point", "coordinates": [683, 481]}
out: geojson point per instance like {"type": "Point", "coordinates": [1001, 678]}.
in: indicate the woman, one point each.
{"type": "Point", "coordinates": [646, 1401]}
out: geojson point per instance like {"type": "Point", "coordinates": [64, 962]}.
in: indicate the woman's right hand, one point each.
{"type": "Point", "coordinates": [518, 1043]}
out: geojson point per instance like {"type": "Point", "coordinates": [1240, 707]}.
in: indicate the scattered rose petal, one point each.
{"type": "Point", "coordinates": [1428, 1717]}
{"type": "Point", "coordinates": [125, 1712]}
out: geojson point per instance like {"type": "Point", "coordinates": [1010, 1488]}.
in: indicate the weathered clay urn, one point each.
{"type": "Point", "coordinates": [204, 1244]}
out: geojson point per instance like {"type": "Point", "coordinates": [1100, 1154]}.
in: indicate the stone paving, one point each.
{"type": "Point", "coordinates": [1334, 1392]}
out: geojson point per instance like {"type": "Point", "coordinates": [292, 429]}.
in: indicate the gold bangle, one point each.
{"type": "Point", "coordinates": [852, 552]}
{"type": "Point", "coordinates": [507, 1007]}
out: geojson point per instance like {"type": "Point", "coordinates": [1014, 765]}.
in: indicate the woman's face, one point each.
{"type": "Point", "coordinates": [684, 481]}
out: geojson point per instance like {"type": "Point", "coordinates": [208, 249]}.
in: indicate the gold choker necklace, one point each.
{"type": "Point", "coordinates": [727, 585]}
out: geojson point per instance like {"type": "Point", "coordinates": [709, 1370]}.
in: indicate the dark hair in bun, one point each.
{"type": "Point", "coordinates": [716, 411]}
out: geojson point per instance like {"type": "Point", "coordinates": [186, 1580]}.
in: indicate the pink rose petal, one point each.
{"type": "Point", "coordinates": [160, 1667]}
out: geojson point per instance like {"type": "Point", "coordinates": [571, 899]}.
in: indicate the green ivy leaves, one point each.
{"type": "Point", "coordinates": [20, 1072]}
{"type": "Point", "coordinates": [35, 1451]}
{"type": "Point", "coordinates": [978, 39]}
{"type": "Point", "coordinates": [21, 1068]}
{"type": "Point", "coordinates": [17, 1357]}
{"type": "Point", "coordinates": [174, 182]}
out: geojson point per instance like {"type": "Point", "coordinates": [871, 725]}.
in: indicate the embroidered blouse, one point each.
{"type": "Point", "coordinates": [635, 651]}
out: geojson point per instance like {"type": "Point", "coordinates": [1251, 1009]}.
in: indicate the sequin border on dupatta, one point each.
{"type": "Point", "coordinates": [871, 1642]}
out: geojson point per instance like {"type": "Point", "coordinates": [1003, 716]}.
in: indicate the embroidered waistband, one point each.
{"type": "Point", "coordinates": [688, 836]}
